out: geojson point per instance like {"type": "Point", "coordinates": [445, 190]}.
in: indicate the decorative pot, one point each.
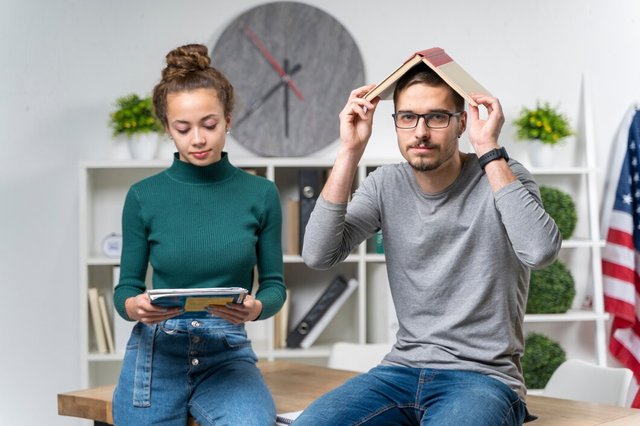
{"type": "Point", "coordinates": [143, 146]}
{"type": "Point", "coordinates": [541, 154]}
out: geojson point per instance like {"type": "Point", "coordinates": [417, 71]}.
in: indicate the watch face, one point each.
{"type": "Point", "coordinates": [292, 66]}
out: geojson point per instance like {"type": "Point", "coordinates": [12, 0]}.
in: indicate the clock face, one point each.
{"type": "Point", "coordinates": [292, 66]}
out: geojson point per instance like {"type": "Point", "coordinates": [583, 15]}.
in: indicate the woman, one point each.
{"type": "Point", "coordinates": [200, 223]}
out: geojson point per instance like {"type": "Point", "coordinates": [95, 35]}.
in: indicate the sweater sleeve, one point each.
{"type": "Point", "coordinates": [534, 234]}
{"type": "Point", "coordinates": [135, 254]}
{"type": "Point", "coordinates": [271, 291]}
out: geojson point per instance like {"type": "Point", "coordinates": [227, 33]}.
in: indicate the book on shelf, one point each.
{"type": "Point", "coordinates": [196, 301]}
{"type": "Point", "coordinates": [293, 227]}
{"type": "Point", "coordinates": [96, 320]}
{"type": "Point", "coordinates": [439, 61]}
{"type": "Point", "coordinates": [106, 323]}
{"type": "Point", "coordinates": [281, 324]}
{"type": "Point", "coordinates": [321, 313]}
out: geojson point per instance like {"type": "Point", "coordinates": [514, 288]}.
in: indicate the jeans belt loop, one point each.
{"type": "Point", "coordinates": [144, 361]}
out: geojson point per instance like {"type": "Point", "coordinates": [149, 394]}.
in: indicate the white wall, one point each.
{"type": "Point", "coordinates": [65, 61]}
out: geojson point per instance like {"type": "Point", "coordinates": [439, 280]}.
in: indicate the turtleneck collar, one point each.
{"type": "Point", "coordinates": [189, 173]}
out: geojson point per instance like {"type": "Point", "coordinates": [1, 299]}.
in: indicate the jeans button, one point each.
{"type": "Point", "coordinates": [195, 361]}
{"type": "Point", "coordinates": [195, 323]}
{"type": "Point", "coordinates": [195, 339]}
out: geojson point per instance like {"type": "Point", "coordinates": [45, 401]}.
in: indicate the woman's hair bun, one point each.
{"type": "Point", "coordinates": [186, 59]}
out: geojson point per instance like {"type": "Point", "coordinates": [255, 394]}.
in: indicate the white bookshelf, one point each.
{"type": "Point", "coordinates": [103, 186]}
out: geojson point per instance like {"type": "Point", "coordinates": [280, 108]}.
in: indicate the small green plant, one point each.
{"type": "Point", "coordinates": [561, 208]}
{"type": "Point", "coordinates": [544, 123]}
{"type": "Point", "coordinates": [551, 290]}
{"type": "Point", "coordinates": [542, 356]}
{"type": "Point", "coordinates": [134, 115]}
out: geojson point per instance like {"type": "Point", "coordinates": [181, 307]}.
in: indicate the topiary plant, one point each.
{"type": "Point", "coordinates": [561, 208]}
{"type": "Point", "coordinates": [551, 290]}
{"type": "Point", "coordinates": [542, 356]}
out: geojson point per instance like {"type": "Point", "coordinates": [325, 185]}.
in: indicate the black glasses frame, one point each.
{"type": "Point", "coordinates": [426, 118]}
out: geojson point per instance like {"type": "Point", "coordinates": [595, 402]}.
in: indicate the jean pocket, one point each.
{"type": "Point", "coordinates": [235, 337]}
{"type": "Point", "coordinates": [134, 339]}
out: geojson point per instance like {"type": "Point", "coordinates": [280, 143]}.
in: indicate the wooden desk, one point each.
{"type": "Point", "coordinates": [294, 386]}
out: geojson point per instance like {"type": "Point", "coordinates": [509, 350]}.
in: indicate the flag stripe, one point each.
{"type": "Point", "coordinates": [621, 259]}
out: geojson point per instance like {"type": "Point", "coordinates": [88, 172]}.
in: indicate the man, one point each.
{"type": "Point", "coordinates": [461, 233]}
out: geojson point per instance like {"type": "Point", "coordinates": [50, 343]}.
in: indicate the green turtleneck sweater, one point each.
{"type": "Point", "coordinates": [202, 227]}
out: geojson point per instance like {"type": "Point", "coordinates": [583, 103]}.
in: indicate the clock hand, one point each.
{"type": "Point", "coordinates": [286, 102]}
{"type": "Point", "coordinates": [269, 57]}
{"type": "Point", "coordinates": [258, 103]}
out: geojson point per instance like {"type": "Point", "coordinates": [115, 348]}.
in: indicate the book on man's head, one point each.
{"type": "Point", "coordinates": [439, 61]}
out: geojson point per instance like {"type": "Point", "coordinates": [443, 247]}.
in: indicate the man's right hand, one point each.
{"type": "Point", "coordinates": [356, 119]}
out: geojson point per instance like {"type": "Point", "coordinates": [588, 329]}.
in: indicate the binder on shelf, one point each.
{"type": "Point", "coordinates": [310, 183]}
{"type": "Point", "coordinates": [96, 319]}
{"type": "Point", "coordinates": [321, 313]}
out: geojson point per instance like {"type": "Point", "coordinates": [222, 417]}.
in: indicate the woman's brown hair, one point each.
{"type": "Point", "coordinates": [189, 68]}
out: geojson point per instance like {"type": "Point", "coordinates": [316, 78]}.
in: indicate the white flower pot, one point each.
{"type": "Point", "coordinates": [143, 146]}
{"type": "Point", "coordinates": [541, 154]}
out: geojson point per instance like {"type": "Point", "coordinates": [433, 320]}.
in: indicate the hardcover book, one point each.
{"type": "Point", "coordinates": [439, 61]}
{"type": "Point", "coordinates": [195, 301]}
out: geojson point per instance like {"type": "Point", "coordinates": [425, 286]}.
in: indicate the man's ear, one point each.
{"type": "Point", "coordinates": [462, 125]}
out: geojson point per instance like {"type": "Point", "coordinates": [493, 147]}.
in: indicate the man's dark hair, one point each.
{"type": "Point", "coordinates": [422, 74]}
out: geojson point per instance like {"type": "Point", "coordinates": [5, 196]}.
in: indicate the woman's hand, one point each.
{"type": "Point", "coordinates": [141, 309]}
{"type": "Point", "coordinates": [238, 313]}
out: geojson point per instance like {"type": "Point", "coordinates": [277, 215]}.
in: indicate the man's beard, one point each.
{"type": "Point", "coordinates": [421, 164]}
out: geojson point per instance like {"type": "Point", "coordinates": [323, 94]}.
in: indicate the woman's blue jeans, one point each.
{"type": "Point", "coordinates": [393, 395]}
{"type": "Point", "coordinates": [202, 367]}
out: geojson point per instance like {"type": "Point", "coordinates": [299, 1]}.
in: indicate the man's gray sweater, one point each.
{"type": "Point", "coordinates": [458, 262]}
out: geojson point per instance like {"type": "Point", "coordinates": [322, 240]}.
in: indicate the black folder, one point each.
{"type": "Point", "coordinates": [309, 185]}
{"type": "Point", "coordinates": [306, 331]}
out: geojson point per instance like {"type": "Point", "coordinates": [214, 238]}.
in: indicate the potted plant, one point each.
{"type": "Point", "coordinates": [542, 356]}
{"type": "Point", "coordinates": [134, 119]}
{"type": "Point", "coordinates": [544, 127]}
{"type": "Point", "coordinates": [551, 290]}
{"type": "Point", "coordinates": [561, 208]}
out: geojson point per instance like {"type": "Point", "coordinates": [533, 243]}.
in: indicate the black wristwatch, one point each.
{"type": "Point", "coordinates": [494, 154]}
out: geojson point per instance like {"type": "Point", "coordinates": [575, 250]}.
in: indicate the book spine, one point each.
{"type": "Point", "coordinates": [315, 313]}
{"type": "Point", "coordinates": [106, 322]}
{"type": "Point", "coordinates": [98, 328]}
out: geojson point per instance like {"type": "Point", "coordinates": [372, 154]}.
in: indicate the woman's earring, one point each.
{"type": "Point", "coordinates": [228, 131]}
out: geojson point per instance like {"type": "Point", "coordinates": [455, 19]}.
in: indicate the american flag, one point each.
{"type": "Point", "coordinates": [621, 259]}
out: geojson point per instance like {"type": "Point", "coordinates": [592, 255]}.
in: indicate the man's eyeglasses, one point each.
{"type": "Point", "coordinates": [433, 120]}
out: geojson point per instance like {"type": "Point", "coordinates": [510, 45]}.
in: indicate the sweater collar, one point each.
{"type": "Point", "coordinates": [189, 173]}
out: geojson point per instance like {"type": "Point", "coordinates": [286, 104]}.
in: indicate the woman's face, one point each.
{"type": "Point", "coordinates": [197, 124]}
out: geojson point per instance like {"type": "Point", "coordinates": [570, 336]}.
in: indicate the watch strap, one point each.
{"type": "Point", "coordinates": [492, 155]}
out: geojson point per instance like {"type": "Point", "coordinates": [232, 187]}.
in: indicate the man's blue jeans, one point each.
{"type": "Point", "coordinates": [393, 395]}
{"type": "Point", "coordinates": [203, 367]}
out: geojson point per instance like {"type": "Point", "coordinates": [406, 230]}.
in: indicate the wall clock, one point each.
{"type": "Point", "coordinates": [292, 66]}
